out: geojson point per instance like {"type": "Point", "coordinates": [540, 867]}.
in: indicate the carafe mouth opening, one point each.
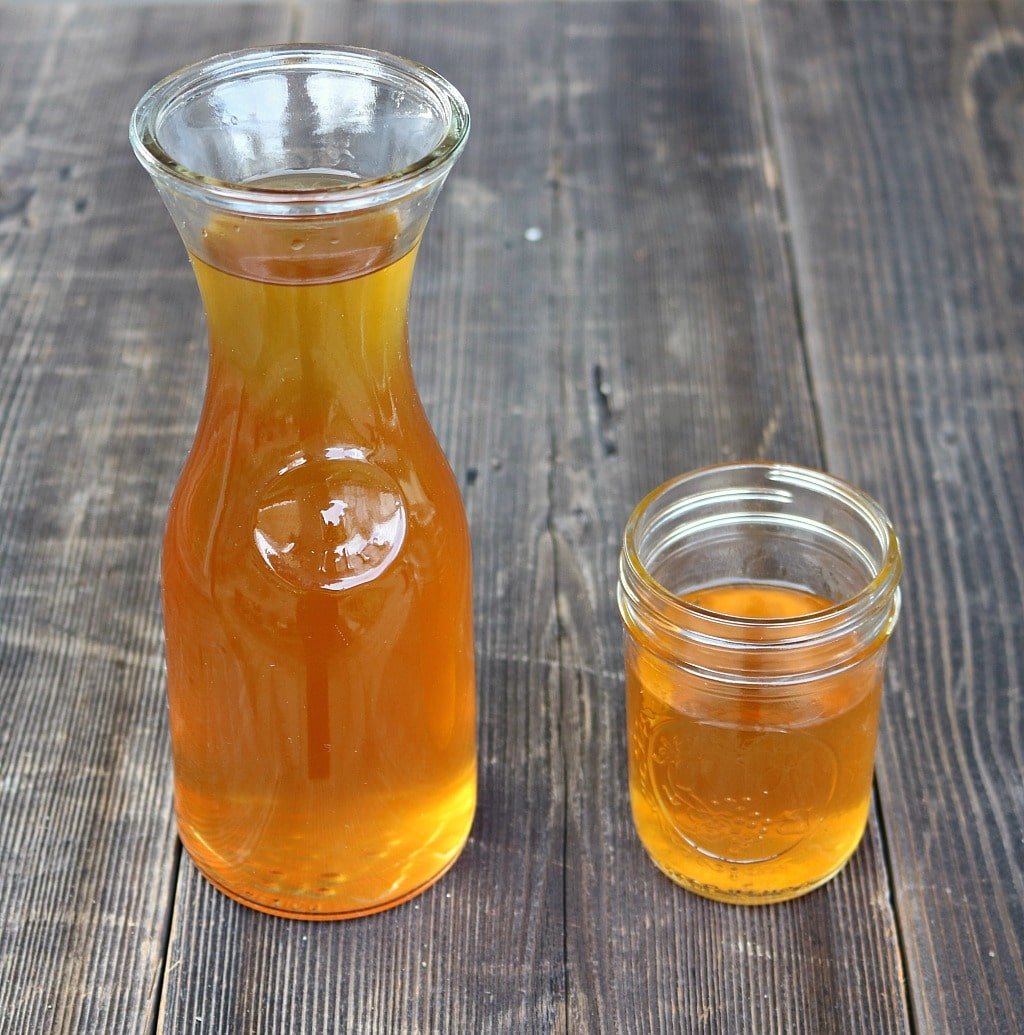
{"type": "Point", "coordinates": [300, 130]}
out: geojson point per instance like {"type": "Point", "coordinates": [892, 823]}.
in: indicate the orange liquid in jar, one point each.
{"type": "Point", "coordinates": [316, 578]}
{"type": "Point", "coordinates": [741, 792]}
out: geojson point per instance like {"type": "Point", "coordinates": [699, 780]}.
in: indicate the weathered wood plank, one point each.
{"type": "Point", "coordinates": [900, 136]}
{"type": "Point", "coordinates": [679, 347]}
{"type": "Point", "coordinates": [98, 388]}
{"type": "Point", "coordinates": [482, 950]}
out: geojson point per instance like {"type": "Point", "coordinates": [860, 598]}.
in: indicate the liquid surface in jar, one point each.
{"type": "Point", "coordinates": [740, 792]}
{"type": "Point", "coordinates": [316, 579]}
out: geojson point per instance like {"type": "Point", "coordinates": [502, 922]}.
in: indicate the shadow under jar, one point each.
{"type": "Point", "coordinates": [757, 600]}
{"type": "Point", "coordinates": [316, 564]}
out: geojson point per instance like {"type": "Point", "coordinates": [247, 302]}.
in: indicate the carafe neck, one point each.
{"type": "Point", "coordinates": [307, 322]}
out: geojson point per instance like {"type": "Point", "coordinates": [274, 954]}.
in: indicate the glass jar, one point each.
{"type": "Point", "coordinates": [757, 599]}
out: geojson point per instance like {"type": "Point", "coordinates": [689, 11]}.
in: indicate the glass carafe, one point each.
{"type": "Point", "coordinates": [316, 565]}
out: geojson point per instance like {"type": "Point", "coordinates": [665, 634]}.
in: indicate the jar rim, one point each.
{"type": "Point", "coordinates": [877, 600]}
{"type": "Point", "coordinates": [344, 196]}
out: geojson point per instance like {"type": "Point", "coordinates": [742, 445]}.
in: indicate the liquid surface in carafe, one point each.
{"type": "Point", "coordinates": [317, 583]}
{"type": "Point", "coordinates": [739, 792]}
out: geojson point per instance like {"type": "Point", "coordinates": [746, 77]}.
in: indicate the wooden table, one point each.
{"type": "Point", "coordinates": [682, 233]}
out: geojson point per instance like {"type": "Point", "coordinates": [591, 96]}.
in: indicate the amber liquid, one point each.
{"type": "Point", "coordinates": [316, 577]}
{"type": "Point", "coordinates": [743, 793]}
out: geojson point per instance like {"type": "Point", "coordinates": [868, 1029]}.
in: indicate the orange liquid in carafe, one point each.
{"type": "Point", "coordinates": [316, 580]}
{"type": "Point", "coordinates": [740, 793]}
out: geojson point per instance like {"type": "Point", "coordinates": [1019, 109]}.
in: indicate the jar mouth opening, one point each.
{"type": "Point", "coordinates": [759, 492]}
{"type": "Point", "coordinates": [447, 124]}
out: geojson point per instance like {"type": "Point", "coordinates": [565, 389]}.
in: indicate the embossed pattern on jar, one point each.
{"type": "Point", "coordinates": [733, 793]}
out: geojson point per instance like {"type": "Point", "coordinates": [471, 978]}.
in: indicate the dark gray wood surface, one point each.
{"type": "Point", "coordinates": [908, 233]}
{"type": "Point", "coordinates": [483, 949]}
{"type": "Point", "coordinates": [792, 231]}
{"type": "Point", "coordinates": [678, 347]}
{"type": "Point", "coordinates": [101, 363]}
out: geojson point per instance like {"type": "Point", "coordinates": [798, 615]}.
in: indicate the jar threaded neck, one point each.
{"type": "Point", "coordinates": [760, 524]}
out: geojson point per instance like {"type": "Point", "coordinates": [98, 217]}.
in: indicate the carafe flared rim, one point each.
{"type": "Point", "coordinates": [262, 199]}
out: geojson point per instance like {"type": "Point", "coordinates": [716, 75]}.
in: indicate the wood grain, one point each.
{"type": "Point", "coordinates": [649, 322]}
{"type": "Point", "coordinates": [652, 319]}
{"type": "Point", "coordinates": [679, 347]}
{"type": "Point", "coordinates": [482, 950]}
{"type": "Point", "coordinates": [900, 134]}
{"type": "Point", "coordinates": [99, 381]}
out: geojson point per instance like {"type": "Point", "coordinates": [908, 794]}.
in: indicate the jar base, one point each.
{"type": "Point", "coordinates": [271, 905]}
{"type": "Point", "coordinates": [738, 897]}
